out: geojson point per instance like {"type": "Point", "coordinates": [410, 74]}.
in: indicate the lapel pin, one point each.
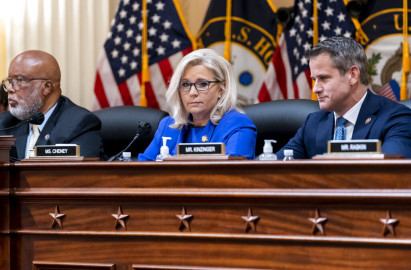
{"type": "Point", "coordinates": [368, 120]}
{"type": "Point", "coordinates": [204, 138]}
{"type": "Point", "coordinates": [47, 137]}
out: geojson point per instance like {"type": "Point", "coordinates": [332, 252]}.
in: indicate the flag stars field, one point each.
{"type": "Point", "coordinates": [167, 24]}
{"type": "Point", "coordinates": [160, 6]}
{"type": "Point", "coordinates": [164, 37]}
{"type": "Point", "coordinates": [132, 20]}
{"type": "Point", "coordinates": [155, 18]}
{"type": "Point", "coordinates": [152, 31]}
{"type": "Point", "coordinates": [123, 14]}
{"type": "Point", "coordinates": [299, 37]}
{"type": "Point", "coordinates": [329, 11]}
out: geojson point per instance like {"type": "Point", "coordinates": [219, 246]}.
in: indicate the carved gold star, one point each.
{"type": "Point", "coordinates": [184, 220]}
{"type": "Point", "coordinates": [120, 219]}
{"type": "Point", "coordinates": [389, 224]}
{"type": "Point", "coordinates": [57, 217]}
{"type": "Point", "coordinates": [318, 222]}
{"type": "Point", "coordinates": [250, 221]}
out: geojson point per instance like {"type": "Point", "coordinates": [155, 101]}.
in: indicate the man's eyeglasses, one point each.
{"type": "Point", "coordinates": [201, 86]}
{"type": "Point", "coordinates": [17, 83]}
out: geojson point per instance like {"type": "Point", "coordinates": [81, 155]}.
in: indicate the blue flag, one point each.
{"type": "Point", "coordinates": [382, 23]}
{"type": "Point", "coordinates": [251, 41]}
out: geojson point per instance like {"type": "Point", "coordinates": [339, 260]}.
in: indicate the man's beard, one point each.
{"type": "Point", "coordinates": [26, 107]}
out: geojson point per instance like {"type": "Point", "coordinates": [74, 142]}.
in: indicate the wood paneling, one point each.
{"type": "Point", "coordinates": [362, 209]}
{"type": "Point", "coordinates": [37, 265]}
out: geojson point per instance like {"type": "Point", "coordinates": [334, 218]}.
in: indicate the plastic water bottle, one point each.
{"type": "Point", "coordinates": [164, 151]}
{"type": "Point", "coordinates": [268, 151]}
{"type": "Point", "coordinates": [288, 154]}
{"type": "Point", "coordinates": [125, 157]}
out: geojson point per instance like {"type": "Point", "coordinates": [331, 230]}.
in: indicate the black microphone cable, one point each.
{"type": "Point", "coordinates": [36, 119]}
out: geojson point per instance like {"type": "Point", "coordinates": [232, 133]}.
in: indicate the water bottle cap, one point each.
{"type": "Point", "coordinates": [288, 152]}
{"type": "Point", "coordinates": [127, 154]}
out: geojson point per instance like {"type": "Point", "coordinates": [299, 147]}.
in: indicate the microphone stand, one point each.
{"type": "Point", "coordinates": [115, 157]}
{"type": "Point", "coordinates": [143, 128]}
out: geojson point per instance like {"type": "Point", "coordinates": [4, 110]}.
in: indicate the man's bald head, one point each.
{"type": "Point", "coordinates": [37, 64]}
{"type": "Point", "coordinates": [39, 86]}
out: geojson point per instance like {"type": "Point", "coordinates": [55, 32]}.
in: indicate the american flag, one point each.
{"type": "Point", "coordinates": [288, 76]}
{"type": "Point", "coordinates": [390, 90]}
{"type": "Point", "coordinates": [119, 70]}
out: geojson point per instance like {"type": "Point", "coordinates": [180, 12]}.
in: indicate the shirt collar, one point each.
{"type": "Point", "coordinates": [46, 117]}
{"type": "Point", "coordinates": [352, 114]}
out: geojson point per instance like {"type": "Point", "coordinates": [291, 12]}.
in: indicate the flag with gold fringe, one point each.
{"type": "Point", "coordinates": [314, 21]}
{"type": "Point", "coordinates": [146, 41]}
{"type": "Point", "coordinates": [385, 25]}
{"type": "Point", "coordinates": [244, 32]}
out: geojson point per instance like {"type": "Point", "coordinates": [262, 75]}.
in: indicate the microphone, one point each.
{"type": "Point", "coordinates": [143, 129]}
{"type": "Point", "coordinates": [36, 118]}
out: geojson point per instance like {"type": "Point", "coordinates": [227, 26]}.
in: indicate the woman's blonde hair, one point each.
{"type": "Point", "coordinates": [222, 72]}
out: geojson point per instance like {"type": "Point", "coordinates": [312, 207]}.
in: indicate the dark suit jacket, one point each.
{"type": "Point", "coordinates": [390, 123]}
{"type": "Point", "coordinates": [69, 123]}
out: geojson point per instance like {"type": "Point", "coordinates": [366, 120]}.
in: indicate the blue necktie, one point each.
{"type": "Point", "coordinates": [340, 129]}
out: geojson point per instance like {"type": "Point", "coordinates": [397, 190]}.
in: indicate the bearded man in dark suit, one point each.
{"type": "Point", "coordinates": [33, 86]}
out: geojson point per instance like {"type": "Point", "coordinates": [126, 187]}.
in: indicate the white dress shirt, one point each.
{"type": "Point", "coordinates": [46, 117]}
{"type": "Point", "coordinates": [351, 117]}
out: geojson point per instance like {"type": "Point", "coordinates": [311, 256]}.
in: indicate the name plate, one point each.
{"type": "Point", "coordinates": [69, 150]}
{"type": "Point", "coordinates": [354, 146]}
{"type": "Point", "coordinates": [201, 149]}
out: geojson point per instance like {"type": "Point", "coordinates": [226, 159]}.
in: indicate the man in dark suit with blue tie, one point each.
{"type": "Point", "coordinates": [33, 86]}
{"type": "Point", "coordinates": [350, 110]}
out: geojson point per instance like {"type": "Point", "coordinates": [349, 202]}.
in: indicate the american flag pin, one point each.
{"type": "Point", "coordinates": [47, 136]}
{"type": "Point", "coordinates": [368, 120]}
